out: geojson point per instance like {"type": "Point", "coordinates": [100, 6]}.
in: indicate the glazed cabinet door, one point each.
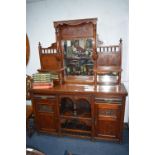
{"type": "Point", "coordinates": [107, 120]}
{"type": "Point", "coordinates": [46, 113]}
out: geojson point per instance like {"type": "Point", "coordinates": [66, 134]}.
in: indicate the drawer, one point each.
{"type": "Point", "coordinates": [38, 96]}
{"type": "Point", "coordinates": [107, 105]}
{"type": "Point", "coordinates": [45, 101]}
{"type": "Point", "coordinates": [108, 100]}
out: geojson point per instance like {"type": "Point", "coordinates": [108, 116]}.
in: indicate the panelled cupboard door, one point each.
{"type": "Point", "coordinates": [46, 114]}
{"type": "Point", "coordinates": [46, 122]}
{"type": "Point", "coordinates": [107, 120]}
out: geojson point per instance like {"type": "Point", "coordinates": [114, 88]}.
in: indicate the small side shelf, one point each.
{"type": "Point", "coordinates": [86, 117]}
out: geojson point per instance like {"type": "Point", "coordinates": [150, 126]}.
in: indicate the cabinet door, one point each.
{"type": "Point", "coordinates": [46, 114]}
{"type": "Point", "coordinates": [46, 122]}
{"type": "Point", "coordinates": [107, 120]}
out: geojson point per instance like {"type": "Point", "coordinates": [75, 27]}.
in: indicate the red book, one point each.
{"type": "Point", "coordinates": [42, 84]}
{"type": "Point", "coordinates": [42, 87]}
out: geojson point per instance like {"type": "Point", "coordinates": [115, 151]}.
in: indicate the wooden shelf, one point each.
{"type": "Point", "coordinates": [76, 134]}
{"type": "Point", "coordinates": [75, 117]}
{"type": "Point", "coordinates": [107, 69]}
{"type": "Point", "coordinates": [75, 130]}
{"type": "Point", "coordinates": [76, 125]}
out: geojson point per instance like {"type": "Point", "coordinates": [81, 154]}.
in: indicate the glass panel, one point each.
{"type": "Point", "coordinates": [67, 106]}
{"type": "Point", "coordinates": [83, 108]}
{"type": "Point", "coordinates": [79, 108]}
{"type": "Point", "coordinates": [78, 56]}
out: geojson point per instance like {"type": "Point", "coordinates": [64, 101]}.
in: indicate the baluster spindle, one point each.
{"type": "Point", "coordinates": [117, 49]}
{"type": "Point", "coordinates": [105, 49]}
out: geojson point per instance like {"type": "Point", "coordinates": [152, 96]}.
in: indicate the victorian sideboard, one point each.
{"type": "Point", "coordinates": [88, 98]}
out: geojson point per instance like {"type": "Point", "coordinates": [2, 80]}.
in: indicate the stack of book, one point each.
{"type": "Point", "coordinates": [42, 81]}
{"type": "Point", "coordinates": [54, 76]}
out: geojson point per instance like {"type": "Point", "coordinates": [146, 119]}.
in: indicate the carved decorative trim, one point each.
{"type": "Point", "coordinates": [75, 22]}
{"type": "Point", "coordinates": [78, 31]}
{"type": "Point", "coordinates": [108, 112]}
{"type": "Point", "coordinates": [45, 108]}
{"type": "Point", "coordinates": [28, 86]}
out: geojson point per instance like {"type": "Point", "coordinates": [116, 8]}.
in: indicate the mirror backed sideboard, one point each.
{"type": "Point", "coordinates": [88, 99]}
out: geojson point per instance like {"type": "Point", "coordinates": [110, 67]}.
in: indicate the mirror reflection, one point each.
{"type": "Point", "coordinates": [78, 56]}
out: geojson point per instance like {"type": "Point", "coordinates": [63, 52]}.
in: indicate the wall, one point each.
{"type": "Point", "coordinates": [111, 26]}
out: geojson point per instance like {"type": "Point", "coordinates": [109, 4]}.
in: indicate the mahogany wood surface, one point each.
{"type": "Point", "coordinates": [85, 89]}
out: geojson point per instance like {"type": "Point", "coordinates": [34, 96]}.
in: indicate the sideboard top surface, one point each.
{"type": "Point", "coordinates": [85, 89]}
